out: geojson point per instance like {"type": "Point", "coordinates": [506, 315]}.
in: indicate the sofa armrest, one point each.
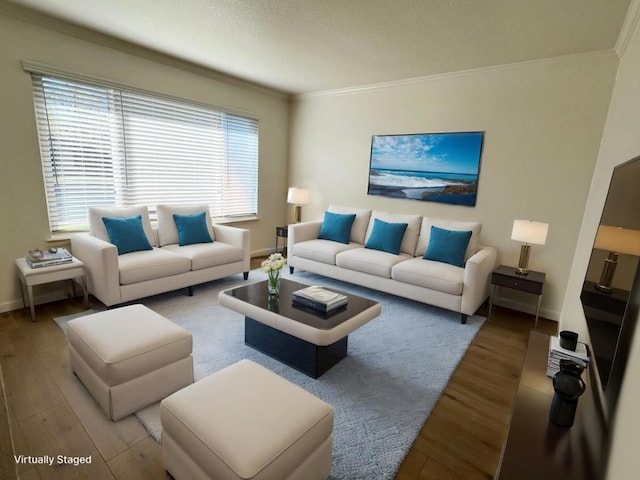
{"type": "Point", "coordinates": [301, 232]}
{"type": "Point", "coordinates": [477, 276]}
{"type": "Point", "coordinates": [240, 237]}
{"type": "Point", "coordinates": [100, 260]}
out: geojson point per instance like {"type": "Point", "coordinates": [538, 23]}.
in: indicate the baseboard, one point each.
{"type": "Point", "coordinates": [264, 252]}
{"type": "Point", "coordinates": [40, 298]}
{"type": "Point", "coordinates": [527, 308]}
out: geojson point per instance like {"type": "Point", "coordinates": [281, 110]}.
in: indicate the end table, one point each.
{"type": "Point", "coordinates": [282, 232]}
{"type": "Point", "coordinates": [38, 276]}
{"type": "Point", "coordinates": [505, 276]}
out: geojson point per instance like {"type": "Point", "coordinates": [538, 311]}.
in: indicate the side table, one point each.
{"type": "Point", "coordinates": [282, 232]}
{"type": "Point", "coordinates": [38, 276]}
{"type": "Point", "coordinates": [536, 448]}
{"type": "Point", "coordinates": [505, 276]}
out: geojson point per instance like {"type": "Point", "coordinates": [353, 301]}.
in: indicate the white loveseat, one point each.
{"type": "Point", "coordinates": [407, 274]}
{"type": "Point", "coordinates": [114, 279]}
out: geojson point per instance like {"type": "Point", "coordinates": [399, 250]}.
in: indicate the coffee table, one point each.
{"type": "Point", "coordinates": [307, 341]}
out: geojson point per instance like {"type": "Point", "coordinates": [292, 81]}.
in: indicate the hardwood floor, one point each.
{"type": "Point", "coordinates": [50, 412]}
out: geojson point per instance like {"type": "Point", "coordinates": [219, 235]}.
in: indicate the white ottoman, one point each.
{"type": "Point", "coordinates": [129, 357]}
{"type": "Point", "coordinates": [246, 422]}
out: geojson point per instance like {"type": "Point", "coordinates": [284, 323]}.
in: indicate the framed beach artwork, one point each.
{"type": "Point", "coordinates": [432, 167]}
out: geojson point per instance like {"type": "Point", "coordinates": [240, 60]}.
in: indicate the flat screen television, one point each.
{"type": "Point", "coordinates": [611, 299]}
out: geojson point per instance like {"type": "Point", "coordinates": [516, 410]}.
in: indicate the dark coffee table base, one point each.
{"type": "Point", "coordinates": [310, 359]}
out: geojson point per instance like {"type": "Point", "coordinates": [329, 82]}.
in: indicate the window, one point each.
{"type": "Point", "coordinates": [105, 146]}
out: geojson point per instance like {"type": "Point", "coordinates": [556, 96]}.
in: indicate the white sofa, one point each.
{"type": "Point", "coordinates": [460, 289]}
{"type": "Point", "coordinates": [114, 279]}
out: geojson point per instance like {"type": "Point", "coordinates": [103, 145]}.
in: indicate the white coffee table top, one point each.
{"type": "Point", "coordinates": [254, 302]}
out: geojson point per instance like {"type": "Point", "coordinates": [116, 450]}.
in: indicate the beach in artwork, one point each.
{"type": "Point", "coordinates": [429, 186]}
{"type": "Point", "coordinates": [442, 167]}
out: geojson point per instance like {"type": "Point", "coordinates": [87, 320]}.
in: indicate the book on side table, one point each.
{"type": "Point", "coordinates": [319, 298]}
{"type": "Point", "coordinates": [46, 258]}
{"type": "Point", "coordinates": [557, 353]}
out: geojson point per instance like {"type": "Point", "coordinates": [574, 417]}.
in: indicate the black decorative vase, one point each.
{"type": "Point", "coordinates": [568, 386]}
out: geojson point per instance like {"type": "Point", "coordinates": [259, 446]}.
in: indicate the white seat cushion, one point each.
{"type": "Point", "coordinates": [367, 260]}
{"type": "Point", "coordinates": [438, 276]}
{"type": "Point", "coordinates": [205, 255]}
{"type": "Point", "coordinates": [167, 230]}
{"type": "Point", "coordinates": [127, 342]}
{"type": "Point", "coordinates": [149, 264]}
{"type": "Point", "coordinates": [323, 251]}
{"type": "Point", "coordinates": [246, 422]}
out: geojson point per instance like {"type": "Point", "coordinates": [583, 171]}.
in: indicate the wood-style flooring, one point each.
{"type": "Point", "coordinates": [50, 412]}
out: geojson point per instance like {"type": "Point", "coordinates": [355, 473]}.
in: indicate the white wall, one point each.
{"type": "Point", "coordinates": [543, 123]}
{"type": "Point", "coordinates": [23, 209]}
{"type": "Point", "coordinates": [620, 143]}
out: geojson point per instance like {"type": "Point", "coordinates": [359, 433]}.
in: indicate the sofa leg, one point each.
{"type": "Point", "coordinates": [245, 275]}
{"type": "Point", "coordinates": [190, 290]}
{"type": "Point", "coordinates": [291, 270]}
{"type": "Point", "coordinates": [463, 318]}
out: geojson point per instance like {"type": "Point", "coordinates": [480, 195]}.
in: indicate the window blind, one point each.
{"type": "Point", "coordinates": [103, 146]}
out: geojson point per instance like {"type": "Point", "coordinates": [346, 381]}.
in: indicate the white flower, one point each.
{"type": "Point", "coordinates": [274, 263]}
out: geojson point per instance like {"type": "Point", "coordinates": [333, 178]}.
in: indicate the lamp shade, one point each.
{"type": "Point", "coordinates": [618, 240]}
{"type": "Point", "coordinates": [298, 196]}
{"type": "Point", "coordinates": [530, 232]}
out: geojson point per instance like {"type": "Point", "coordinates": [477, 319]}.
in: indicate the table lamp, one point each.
{"type": "Point", "coordinates": [298, 196]}
{"type": "Point", "coordinates": [616, 240]}
{"type": "Point", "coordinates": [528, 232]}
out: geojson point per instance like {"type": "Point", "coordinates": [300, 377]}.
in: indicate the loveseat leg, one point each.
{"type": "Point", "coordinates": [190, 290]}
{"type": "Point", "coordinates": [291, 270]}
{"type": "Point", "coordinates": [245, 275]}
{"type": "Point", "coordinates": [463, 318]}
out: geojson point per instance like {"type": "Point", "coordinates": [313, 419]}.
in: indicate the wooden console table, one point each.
{"type": "Point", "coordinates": [538, 449]}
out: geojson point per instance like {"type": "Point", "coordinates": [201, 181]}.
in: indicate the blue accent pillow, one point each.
{"type": "Point", "coordinates": [448, 246]}
{"type": "Point", "coordinates": [386, 236]}
{"type": "Point", "coordinates": [192, 229]}
{"type": "Point", "coordinates": [127, 234]}
{"type": "Point", "coordinates": [337, 226]}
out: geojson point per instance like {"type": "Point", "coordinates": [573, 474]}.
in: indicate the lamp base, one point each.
{"type": "Point", "coordinates": [297, 210]}
{"type": "Point", "coordinates": [524, 260]}
{"type": "Point", "coordinates": [610, 264]}
{"type": "Point", "coordinates": [603, 288]}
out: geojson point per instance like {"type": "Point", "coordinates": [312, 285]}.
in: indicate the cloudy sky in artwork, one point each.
{"type": "Point", "coordinates": [433, 152]}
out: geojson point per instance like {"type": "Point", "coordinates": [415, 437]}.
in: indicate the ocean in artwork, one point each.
{"type": "Point", "coordinates": [453, 188]}
{"type": "Point", "coordinates": [432, 167]}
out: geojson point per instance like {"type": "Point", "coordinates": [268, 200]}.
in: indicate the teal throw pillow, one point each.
{"type": "Point", "coordinates": [192, 229]}
{"type": "Point", "coordinates": [337, 226]}
{"type": "Point", "coordinates": [127, 234]}
{"type": "Point", "coordinates": [386, 236]}
{"type": "Point", "coordinates": [447, 246]}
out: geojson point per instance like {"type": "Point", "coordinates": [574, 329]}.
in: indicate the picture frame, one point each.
{"type": "Point", "coordinates": [431, 167]}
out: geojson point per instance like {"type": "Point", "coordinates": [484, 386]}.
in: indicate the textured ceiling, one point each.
{"type": "Point", "coordinates": [301, 46]}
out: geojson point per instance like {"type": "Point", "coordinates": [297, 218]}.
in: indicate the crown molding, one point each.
{"type": "Point", "coordinates": [628, 27]}
{"type": "Point", "coordinates": [449, 75]}
{"type": "Point", "coordinates": [27, 15]}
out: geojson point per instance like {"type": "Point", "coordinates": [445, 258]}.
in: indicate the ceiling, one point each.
{"type": "Point", "coordinates": [302, 46]}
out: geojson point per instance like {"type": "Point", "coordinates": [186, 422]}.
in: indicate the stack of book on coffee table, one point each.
{"type": "Point", "coordinates": [557, 353]}
{"type": "Point", "coordinates": [46, 258]}
{"type": "Point", "coordinates": [319, 299]}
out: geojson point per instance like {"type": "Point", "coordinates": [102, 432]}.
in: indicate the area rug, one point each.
{"type": "Point", "coordinates": [396, 369]}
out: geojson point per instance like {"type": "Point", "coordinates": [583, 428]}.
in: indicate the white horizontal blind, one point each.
{"type": "Point", "coordinates": [104, 146]}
